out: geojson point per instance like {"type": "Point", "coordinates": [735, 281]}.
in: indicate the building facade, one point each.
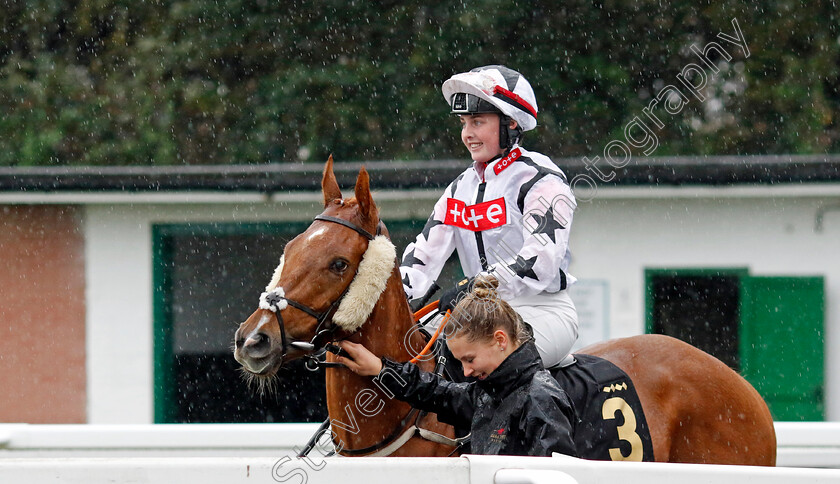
{"type": "Point", "coordinates": [124, 285]}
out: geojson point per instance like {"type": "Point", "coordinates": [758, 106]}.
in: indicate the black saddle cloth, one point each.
{"type": "Point", "coordinates": [612, 423]}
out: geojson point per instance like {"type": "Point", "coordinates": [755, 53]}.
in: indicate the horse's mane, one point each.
{"type": "Point", "coordinates": [370, 281]}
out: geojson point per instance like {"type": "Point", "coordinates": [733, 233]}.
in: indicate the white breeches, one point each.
{"type": "Point", "coordinates": [555, 322]}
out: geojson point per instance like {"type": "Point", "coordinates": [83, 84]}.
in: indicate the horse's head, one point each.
{"type": "Point", "coordinates": [328, 281]}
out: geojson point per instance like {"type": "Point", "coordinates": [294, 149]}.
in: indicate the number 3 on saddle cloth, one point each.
{"type": "Point", "coordinates": [611, 423]}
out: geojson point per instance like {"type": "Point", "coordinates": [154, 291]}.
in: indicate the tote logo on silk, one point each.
{"type": "Point", "coordinates": [507, 161]}
{"type": "Point", "coordinates": [478, 217]}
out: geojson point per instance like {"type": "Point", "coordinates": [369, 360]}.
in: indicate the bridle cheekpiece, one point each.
{"type": "Point", "coordinates": [355, 304]}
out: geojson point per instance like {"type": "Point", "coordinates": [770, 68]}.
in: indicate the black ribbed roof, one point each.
{"type": "Point", "coordinates": [285, 177]}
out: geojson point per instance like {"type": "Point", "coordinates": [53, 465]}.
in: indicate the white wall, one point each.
{"type": "Point", "coordinates": [119, 316]}
{"type": "Point", "coordinates": [615, 237]}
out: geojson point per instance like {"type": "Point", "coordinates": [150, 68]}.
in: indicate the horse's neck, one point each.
{"type": "Point", "coordinates": [384, 334]}
{"type": "Point", "coordinates": [390, 324]}
{"type": "Point", "coordinates": [390, 330]}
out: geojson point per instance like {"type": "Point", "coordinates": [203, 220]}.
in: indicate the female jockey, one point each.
{"type": "Point", "coordinates": [508, 214]}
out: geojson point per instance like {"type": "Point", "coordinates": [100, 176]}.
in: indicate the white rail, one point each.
{"type": "Point", "coordinates": [808, 444]}
{"type": "Point", "coordinates": [376, 470]}
{"type": "Point", "coordinates": [814, 444]}
{"type": "Point", "coordinates": [198, 440]}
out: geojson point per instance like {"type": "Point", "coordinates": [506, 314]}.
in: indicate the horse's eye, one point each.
{"type": "Point", "coordinates": [339, 266]}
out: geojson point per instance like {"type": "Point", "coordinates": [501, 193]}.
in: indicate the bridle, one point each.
{"type": "Point", "coordinates": [324, 333]}
{"type": "Point", "coordinates": [325, 328]}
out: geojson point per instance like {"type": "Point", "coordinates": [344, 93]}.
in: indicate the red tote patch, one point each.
{"type": "Point", "coordinates": [507, 161]}
{"type": "Point", "coordinates": [478, 217]}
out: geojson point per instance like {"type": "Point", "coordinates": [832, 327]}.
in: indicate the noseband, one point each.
{"type": "Point", "coordinates": [277, 301]}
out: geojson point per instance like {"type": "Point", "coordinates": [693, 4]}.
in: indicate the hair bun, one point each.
{"type": "Point", "coordinates": [485, 312]}
{"type": "Point", "coordinates": [484, 286]}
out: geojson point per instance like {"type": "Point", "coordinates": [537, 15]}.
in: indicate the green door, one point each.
{"type": "Point", "coordinates": [208, 278]}
{"type": "Point", "coordinates": [782, 344]}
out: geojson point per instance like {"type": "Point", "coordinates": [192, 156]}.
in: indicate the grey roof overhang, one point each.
{"type": "Point", "coordinates": [290, 177]}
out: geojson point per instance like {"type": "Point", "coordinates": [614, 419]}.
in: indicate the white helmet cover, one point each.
{"type": "Point", "coordinates": [504, 88]}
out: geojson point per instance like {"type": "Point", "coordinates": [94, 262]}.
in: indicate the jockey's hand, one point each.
{"type": "Point", "coordinates": [450, 297]}
{"type": "Point", "coordinates": [361, 360]}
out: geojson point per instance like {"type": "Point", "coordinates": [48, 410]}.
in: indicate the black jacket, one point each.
{"type": "Point", "coordinates": [519, 409]}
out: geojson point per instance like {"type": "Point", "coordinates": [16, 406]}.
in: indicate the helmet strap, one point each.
{"type": "Point", "coordinates": [508, 136]}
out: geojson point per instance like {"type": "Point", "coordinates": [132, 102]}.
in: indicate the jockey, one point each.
{"type": "Point", "coordinates": [508, 214]}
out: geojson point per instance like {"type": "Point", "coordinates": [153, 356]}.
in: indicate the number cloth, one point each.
{"type": "Point", "coordinates": [612, 425]}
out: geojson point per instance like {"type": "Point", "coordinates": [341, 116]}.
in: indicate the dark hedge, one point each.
{"type": "Point", "coordinates": [102, 82]}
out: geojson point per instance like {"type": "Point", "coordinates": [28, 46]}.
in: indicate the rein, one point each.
{"type": "Point", "coordinates": [400, 435]}
{"type": "Point", "coordinates": [417, 316]}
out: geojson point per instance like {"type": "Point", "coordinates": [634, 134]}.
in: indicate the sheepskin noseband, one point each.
{"type": "Point", "coordinates": [275, 279]}
{"type": "Point", "coordinates": [364, 291]}
{"type": "Point", "coordinates": [374, 270]}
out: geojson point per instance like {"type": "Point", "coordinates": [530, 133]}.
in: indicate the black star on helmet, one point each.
{"type": "Point", "coordinates": [524, 267]}
{"type": "Point", "coordinates": [406, 281]}
{"type": "Point", "coordinates": [547, 224]}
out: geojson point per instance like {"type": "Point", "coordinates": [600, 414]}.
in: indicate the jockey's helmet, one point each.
{"type": "Point", "coordinates": [494, 89]}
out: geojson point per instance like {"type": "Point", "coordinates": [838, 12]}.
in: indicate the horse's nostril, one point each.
{"type": "Point", "coordinates": [239, 342]}
{"type": "Point", "coordinates": [257, 341]}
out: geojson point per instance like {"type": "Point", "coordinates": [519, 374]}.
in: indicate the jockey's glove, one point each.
{"type": "Point", "coordinates": [450, 297]}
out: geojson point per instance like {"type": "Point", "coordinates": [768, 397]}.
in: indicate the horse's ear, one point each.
{"type": "Point", "coordinates": [367, 208]}
{"type": "Point", "coordinates": [328, 184]}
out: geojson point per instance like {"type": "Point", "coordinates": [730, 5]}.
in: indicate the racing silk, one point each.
{"type": "Point", "coordinates": [511, 218]}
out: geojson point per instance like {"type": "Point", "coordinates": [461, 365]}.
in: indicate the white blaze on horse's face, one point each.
{"type": "Point", "coordinates": [256, 346]}
{"type": "Point", "coordinates": [265, 319]}
{"type": "Point", "coordinates": [332, 278]}
{"type": "Point", "coordinates": [316, 235]}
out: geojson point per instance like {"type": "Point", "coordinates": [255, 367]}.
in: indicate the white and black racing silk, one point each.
{"type": "Point", "coordinates": [511, 218]}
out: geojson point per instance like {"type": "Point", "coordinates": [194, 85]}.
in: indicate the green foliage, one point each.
{"type": "Point", "coordinates": [118, 82]}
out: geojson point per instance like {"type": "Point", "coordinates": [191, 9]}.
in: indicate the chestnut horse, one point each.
{"type": "Point", "coordinates": [338, 280]}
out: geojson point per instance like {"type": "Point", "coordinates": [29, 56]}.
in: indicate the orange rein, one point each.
{"type": "Point", "coordinates": [419, 314]}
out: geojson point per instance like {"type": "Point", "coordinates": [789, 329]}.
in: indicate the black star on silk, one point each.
{"type": "Point", "coordinates": [428, 228]}
{"type": "Point", "coordinates": [547, 224]}
{"type": "Point", "coordinates": [406, 281]}
{"type": "Point", "coordinates": [411, 261]}
{"type": "Point", "coordinates": [524, 267]}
